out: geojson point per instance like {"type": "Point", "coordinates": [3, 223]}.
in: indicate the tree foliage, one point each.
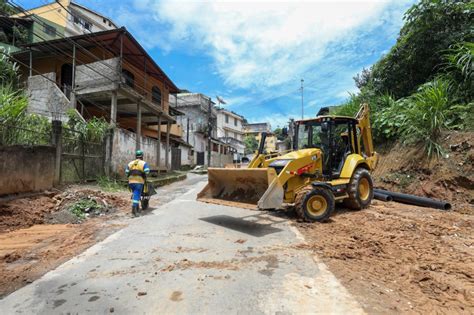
{"type": "Point", "coordinates": [6, 8]}
{"type": "Point", "coordinates": [431, 27]}
{"type": "Point", "coordinates": [424, 85]}
{"type": "Point", "coordinates": [251, 144]}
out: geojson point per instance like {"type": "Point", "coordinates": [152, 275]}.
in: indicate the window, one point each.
{"type": "Point", "coordinates": [104, 20]}
{"type": "Point", "coordinates": [85, 24]}
{"type": "Point", "coordinates": [50, 30]}
{"type": "Point", "coordinates": [128, 78]}
{"type": "Point", "coordinates": [226, 119]}
{"type": "Point", "coordinates": [156, 95]}
{"type": "Point", "coordinates": [235, 121]}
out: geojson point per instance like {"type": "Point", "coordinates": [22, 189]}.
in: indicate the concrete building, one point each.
{"type": "Point", "coordinates": [194, 123]}
{"type": "Point", "coordinates": [50, 21]}
{"type": "Point", "coordinates": [67, 18]}
{"type": "Point", "coordinates": [107, 74]}
{"type": "Point", "coordinates": [256, 130]}
{"type": "Point", "coordinates": [230, 131]}
{"type": "Point", "coordinates": [16, 31]}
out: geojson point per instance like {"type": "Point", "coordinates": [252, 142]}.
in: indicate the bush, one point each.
{"type": "Point", "coordinates": [83, 206]}
{"type": "Point", "coordinates": [108, 184]}
{"type": "Point", "coordinates": [93, 130]}
{"type": "Point", "coordinates": [428, 112]}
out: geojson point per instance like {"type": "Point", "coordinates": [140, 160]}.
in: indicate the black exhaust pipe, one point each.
{"type": "Point", "coordinates": [415, 200]}
{"type": "Point", "coordinates": [383, 197]}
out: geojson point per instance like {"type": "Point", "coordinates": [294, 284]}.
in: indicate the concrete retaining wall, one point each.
{"type": "Point", "coordinates": [26, 169]}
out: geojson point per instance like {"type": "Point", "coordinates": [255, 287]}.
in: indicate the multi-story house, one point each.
{"type": "Point", "coordinates": [67, 18]}
{"type": "Point", "coordinates": [230, 131]}
{"type": "Point", "coordinates": [256, 130]}
{"type": "Point", "coordinates": [200, 114]}
{"type": "Point", "coordinates": [106, 74]}
{"type": "Point", "coordinates": [55, 20]}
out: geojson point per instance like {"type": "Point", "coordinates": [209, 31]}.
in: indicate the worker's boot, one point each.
{"type": "Point", "coordinates": [135, 210]}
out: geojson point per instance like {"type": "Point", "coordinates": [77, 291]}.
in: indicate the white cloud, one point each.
{"type": "Point", "coordinates": [258, 45]}
{"type": "Point", "coordinates": [261, 49]}
{"type": "Point", "coordinates": [275, 120]}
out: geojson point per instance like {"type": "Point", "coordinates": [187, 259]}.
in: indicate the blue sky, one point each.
{"type": "Point", "coordinates": [254, 53]}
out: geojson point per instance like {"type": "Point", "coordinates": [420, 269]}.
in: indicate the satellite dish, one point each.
{"type": "Point", "coordinates": [221, 101]}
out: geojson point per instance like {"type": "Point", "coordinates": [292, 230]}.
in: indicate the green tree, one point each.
{"type": "Point", "coordinates": [431, 27]}
{"type": "Point", "coordinates": [6, 8]}
{"type": "Point", "coordinates": [251, 144]}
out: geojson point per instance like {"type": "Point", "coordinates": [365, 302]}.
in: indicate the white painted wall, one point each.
{"type": "Point", "coordinates": [96, 21]}
{"type": "Point", "coordinates": [124, 147]}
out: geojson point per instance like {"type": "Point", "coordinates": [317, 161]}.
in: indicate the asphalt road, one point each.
{"type": "Point", "coordinates": [188, 257]}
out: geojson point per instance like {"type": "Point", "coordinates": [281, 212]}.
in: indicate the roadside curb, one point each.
{"type": "Point", "coordinates": [159, 182]}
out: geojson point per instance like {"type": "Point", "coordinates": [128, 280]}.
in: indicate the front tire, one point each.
{"type": "Point", "coordinates": [314, 204]}
{"type": "Point", "coordinates": [360, 190]}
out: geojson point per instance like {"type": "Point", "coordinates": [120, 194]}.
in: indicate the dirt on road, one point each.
{"type": "Point", "coordinates": [39, 233]}
{"type": "Point", "coordinates": [401, 258]}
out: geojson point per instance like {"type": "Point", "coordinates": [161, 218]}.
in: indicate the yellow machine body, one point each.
{"type": "Point", "coordinates": [272, 180]}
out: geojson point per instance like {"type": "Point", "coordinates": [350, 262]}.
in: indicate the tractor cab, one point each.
{"type": "Point", "coordinates": [336, 138]}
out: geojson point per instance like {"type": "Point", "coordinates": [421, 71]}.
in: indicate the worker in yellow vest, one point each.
{"type": "Point", "coordinates": [136, 172]}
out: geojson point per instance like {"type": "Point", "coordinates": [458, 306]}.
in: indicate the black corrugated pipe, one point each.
{"type": "Point", "coordinates": [415, 200]}
{"type": "Point", "coordinates": [383, 197]}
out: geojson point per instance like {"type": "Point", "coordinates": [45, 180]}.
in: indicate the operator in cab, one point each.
{"type": "Point", "coordinates": [136, 172]}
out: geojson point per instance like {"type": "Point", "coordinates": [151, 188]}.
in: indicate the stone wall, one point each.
{"type": "Point", "coordinates": [45, 98]}
{"type": "Point", "coordinates": [26, 169]}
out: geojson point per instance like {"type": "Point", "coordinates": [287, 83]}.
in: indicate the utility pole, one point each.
{"type": "Point", "coordinates": [187, 131]}
{"type": "Point", "coordinates": [209, 129]}
{"type": "Point", "coordinates": [302, 102]}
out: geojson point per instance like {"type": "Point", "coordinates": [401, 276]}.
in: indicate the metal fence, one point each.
{"type": "Point", "coordinates": [81, 160]}
{"type": "Point", "coordinates": [17, 135]}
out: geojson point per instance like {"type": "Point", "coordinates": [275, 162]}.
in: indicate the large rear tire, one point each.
{"type": "Point", "coordinates": [360, 190]}
{"type": "Point", "coordinates": [314, 204]}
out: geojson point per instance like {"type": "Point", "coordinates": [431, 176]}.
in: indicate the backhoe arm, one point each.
{"type": "Point", "coordinates": [259, 157]}
{"type": "Point", "coordinates": [363, 118]}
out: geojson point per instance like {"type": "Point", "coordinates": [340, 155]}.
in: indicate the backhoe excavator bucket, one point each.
{"type": "Point", "coordinates": [240, 187]}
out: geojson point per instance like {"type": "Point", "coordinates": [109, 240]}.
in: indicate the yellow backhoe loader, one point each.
{"type": "Point", "coordinates": [330, 161]}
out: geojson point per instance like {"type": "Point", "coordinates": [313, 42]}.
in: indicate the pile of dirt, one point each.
{"type": "Point", "coordinates": [53, 208]}
{"type": "Point", "coordinates": [36, 233]}
{"type": "Point", "coordinates": [25, 212]}
{"type": "Point", "coordinates": [450, 177]}
{"type": "Point", "coordinates": [105, 204]}
{"type": "Point", "coordinates": [400, 258]}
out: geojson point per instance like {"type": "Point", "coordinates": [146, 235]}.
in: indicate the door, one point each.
{"type": "Point", "coordinates": [200, 158]}
{"type": "Point", "coordinates": [175, 158]}
{"type": "Point", "coordinates": [66, 79]}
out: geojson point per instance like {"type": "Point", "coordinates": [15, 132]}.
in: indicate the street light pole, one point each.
{"type": "Point", "coordinates": [302, 102]}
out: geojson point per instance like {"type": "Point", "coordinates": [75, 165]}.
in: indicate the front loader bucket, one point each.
{"type": "Point", "coordinates": [241, 187]}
